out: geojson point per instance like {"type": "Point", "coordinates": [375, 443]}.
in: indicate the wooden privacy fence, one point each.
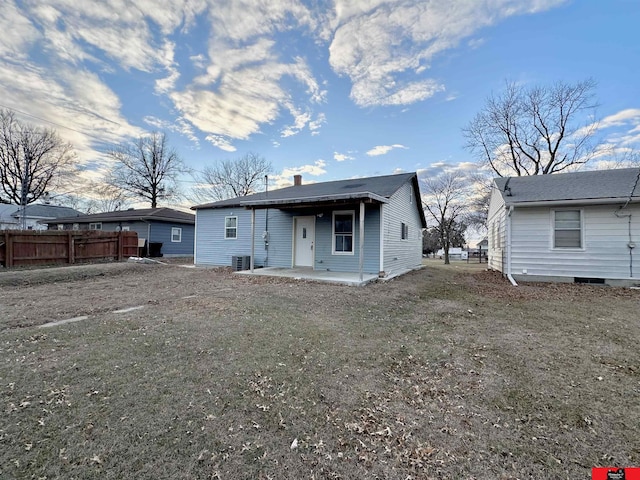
{"type": "Point", "coordinates": [19, 248]}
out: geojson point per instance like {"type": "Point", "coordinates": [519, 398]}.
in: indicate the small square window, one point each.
{"type": "Point", "coordinates": [231, 228]}
{"type": "Point", "coordinates": [176, 235]}
{"type": "Point", "coordinates": [95, 226]}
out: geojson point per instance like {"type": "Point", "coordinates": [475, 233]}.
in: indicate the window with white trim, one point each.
{"type": "Point", "coordinates": [176, 234]}
{"type": "Point", "coordinates": [567, 229]}
{"type": "Point", "coordinates": [95, 226]}
{"type": "Point", "coordinates": [230, 228]}
{"type": "Point", "coordinates": [343, 232]}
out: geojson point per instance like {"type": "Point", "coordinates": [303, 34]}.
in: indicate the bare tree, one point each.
{"type": "Point", "coordinates": [32, 160]}
{"type": "Point", "coordinates": [147, 169]}
{"type": "Point", "coordinates": [107, 199]}
{"type": "Point", "coordinates": [445, 200]}
{"type": "Point", "coordinates": [534, 131]}
{"type": "Point", "coordinates": [233, 178]}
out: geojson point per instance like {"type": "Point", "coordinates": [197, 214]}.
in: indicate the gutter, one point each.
{"type": "Point", "coordinates": [508, 235]}
{"type": "Point", "coordinates": [319, 198]}
{"type": "Point", "coordinates": [586, 201]}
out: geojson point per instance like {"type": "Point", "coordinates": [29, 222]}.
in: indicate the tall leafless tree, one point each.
{"type": "Point", "coordinates": [535, 130]}
{"type": "Point", "coordinates": [147, 169]}
{"type": "Point", "coordinates": [233, 178]}
{"type": "Point", "coordinates": [445, 199]}
{"type": "Point", "coordinates": [33, 160]}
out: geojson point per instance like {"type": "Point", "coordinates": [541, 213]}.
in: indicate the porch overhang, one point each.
{"type": "Point", "coordinates": [316, 201]}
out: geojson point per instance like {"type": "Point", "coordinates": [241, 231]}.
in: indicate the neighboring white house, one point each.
{"type": "Point", "coordinates": [371, 225]}
{"type": "Point", "coordinates": [567, 227]}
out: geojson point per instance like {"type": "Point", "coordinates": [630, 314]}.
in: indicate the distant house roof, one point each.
{"type": "Point", "coordinates": [601, 186]}
{"type": "Point", "coordinates": [6, 212]}
{"type": "Point", "coordinates": [369, 189]}
{"type": "Point", "coordinates": [46, 211]}
{"type": "Point", "coordinates": [131, 215]}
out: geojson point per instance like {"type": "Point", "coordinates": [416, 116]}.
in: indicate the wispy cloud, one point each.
{"type": "Point", "coordinates": [285, 178]}
{"type": "Point", "coordinates": [384, 47]}
{"type": "Point", "coordinates": [341, 157]}
{"type": "Point", "coordinates": [383, 149]}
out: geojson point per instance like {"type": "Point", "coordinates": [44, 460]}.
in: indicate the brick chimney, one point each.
{"type": "Point", "coordinates": [297, 180]}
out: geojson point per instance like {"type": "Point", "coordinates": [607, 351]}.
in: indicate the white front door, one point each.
{"type": "Point", "coordinates": [304, 236]}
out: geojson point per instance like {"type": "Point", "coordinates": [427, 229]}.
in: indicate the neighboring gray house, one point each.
{"type": "Point", "coordinates": [36, 216]}
{"type": "Point", "coordinates": [171, 228]}
{"type": "Point", "coordinates": [371, 225]}
{"type": "Point", "coordinates": [567, 227]}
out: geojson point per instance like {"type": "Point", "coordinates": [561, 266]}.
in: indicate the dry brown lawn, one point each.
{"type": "Point", "coordinates": [448, 372]}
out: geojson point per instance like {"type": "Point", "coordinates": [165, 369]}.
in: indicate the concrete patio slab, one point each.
{"type": "Point", "coordinates": [301, 273]}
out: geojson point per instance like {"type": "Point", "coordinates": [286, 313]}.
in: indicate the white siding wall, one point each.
{"type": "Point", "coordinates": [496, 224]}
{"type": "Point", "coordinates": [605, 253]}
{"type": "Point", "coordinates": [401, 255]}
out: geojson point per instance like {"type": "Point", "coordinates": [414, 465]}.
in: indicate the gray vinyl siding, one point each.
{"type": "Point", "coordinates": [212, 248]}
{"type": "Point", "coordinates": [325, 259]}
{"type": "Point", "coordinates": [401, 255]}
{"type": "Point", "coordinates": [153, 231]}
{"type": "Point", "coordinates": [605, 253]}
{"type": "Point", "coordinates": [279, 253]}
{"type": "Point", "coordinates": [161, 232]}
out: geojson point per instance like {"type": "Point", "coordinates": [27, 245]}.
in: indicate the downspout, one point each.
{"type": "Point", "coordinates": [508, 235]}
{"type": "Point", "coordinates": [361, 259]}
{"type": "Point", "coordinates": [265, 236]}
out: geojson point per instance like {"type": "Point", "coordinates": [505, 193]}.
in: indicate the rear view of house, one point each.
{"type": "Point", "coordinates": [371, 225]}
{"type": "Point", "coordinates": [568, 227]}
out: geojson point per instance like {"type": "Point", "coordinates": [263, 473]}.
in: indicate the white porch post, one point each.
{"type": "Point", "coordinates": [253, 236]}
{"type": "Point", "coordinates": [361, 265]}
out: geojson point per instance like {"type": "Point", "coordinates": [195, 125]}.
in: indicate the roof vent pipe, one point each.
{"type": "Point", "coordinates": [297, 180]}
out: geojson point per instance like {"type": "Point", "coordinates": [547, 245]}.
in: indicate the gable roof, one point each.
{"type": "Point", "coordinates": [597, 186]}
{"type": "Point", "coordinates": [369, 189]}
{"type": "Point", "coordinates": [145, 214]}
{"type": "Point", "coordinates": [47, 211]}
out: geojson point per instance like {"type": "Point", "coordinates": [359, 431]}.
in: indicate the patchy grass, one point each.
{"type": "Point", "coordinates": [444, 373]}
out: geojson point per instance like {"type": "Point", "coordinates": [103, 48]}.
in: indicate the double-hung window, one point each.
{"type": "Point", "coordinates": [567, 229]}
{"type": "Point", "coordinates": [230, 227]}
{"type": "Point", "coordinates": [176, 234]}
{"type": "Point", "coordinates": [95, 226]}
{"type": "Point", "coordinates": [343, 233]}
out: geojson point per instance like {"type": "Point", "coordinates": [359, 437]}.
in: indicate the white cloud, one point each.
{"type": "Point", "coordinates": [384, 46]}
{"type": "Point", "coordinates": [315, 125]}
{"type": "Point", "coordinates": [383, 149]}
{"type": "Point", "coordinates": [341, 157]}
{"type": "Point", "coordinates": [18, 30]}
{"type": "Point", "coordinates": [285, 178]}
{"type": "Point", "coordinates": [301, 120]}
{"type": "Point", "coordinates": [221, 142]}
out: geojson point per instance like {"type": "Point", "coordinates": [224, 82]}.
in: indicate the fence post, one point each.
{"type": "Point", "coordinates": [71, 248]}
{"type": "Point", "coordinates": [8, 241]}
{"type": "Point", "coordinates": [119, 245]}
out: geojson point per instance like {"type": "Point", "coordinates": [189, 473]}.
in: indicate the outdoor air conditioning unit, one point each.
{"type": "Point", "coordinates": [241, 262]}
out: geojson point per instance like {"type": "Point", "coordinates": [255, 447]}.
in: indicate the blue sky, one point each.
{"type": "Point", "coordinates": [327, 89]}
